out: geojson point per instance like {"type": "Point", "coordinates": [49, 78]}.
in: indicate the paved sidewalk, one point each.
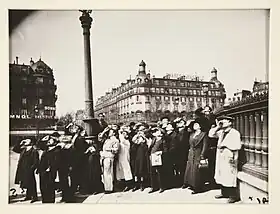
{"type": "Point", "coordinates": [178, 196]}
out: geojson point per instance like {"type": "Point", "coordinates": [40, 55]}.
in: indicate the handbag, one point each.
{"type": "Point", "coordinates": [156, 160]}
{"type": "Point", "coordinates": [203, 164]}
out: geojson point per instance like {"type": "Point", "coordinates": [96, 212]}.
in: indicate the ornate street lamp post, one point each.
{"type": "Point", "coordinates": [205, 89]}
{"type": "Point", "coordinates": [90, 122]}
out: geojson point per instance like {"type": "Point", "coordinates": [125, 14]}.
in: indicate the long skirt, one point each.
{"type": "Point", "coordinates": [193, 175]}
{"type": "Point", "coordinates": [93, 174]}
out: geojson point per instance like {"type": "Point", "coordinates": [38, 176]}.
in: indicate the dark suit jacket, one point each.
{"type": "Point", "coordinates": [158, 145]}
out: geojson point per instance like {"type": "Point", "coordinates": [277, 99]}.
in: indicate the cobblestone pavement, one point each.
{"type": "Point", "coordinates": [169, 196]}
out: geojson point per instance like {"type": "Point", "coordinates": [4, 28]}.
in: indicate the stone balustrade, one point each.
{"type": "Point", "coordinates": [251, 120]}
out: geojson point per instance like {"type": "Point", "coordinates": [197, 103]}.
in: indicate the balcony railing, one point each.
{"type": "Point", "coordinates": [251, 120]}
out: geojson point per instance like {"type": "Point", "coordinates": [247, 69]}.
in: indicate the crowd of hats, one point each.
{"type": "Point", "coordinates": [64, 141]}
{"type": "Point", "coordinates": [55, 139]}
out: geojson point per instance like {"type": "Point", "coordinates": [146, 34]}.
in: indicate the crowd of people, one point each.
{"type": "Point", "coordinates": [199, 154]}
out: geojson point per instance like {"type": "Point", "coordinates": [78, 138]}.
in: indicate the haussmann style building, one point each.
{"type": "Point", "coordinates": [32, 95]}
{"type": "Point", "coordinates": [147, 98]}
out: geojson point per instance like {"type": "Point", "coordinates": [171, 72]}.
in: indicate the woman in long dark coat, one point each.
{"type": "Point", "coordinates": [47, 169]}
{"type": "Point", "coordinates": [93, 169]}
{"type": "Point", "coordinates": [140, 169]}
{"type": "Point", "coordinates": [27, 164]}
{"type": "Point", "coordinates": [78, 162]}
{"type": "Point", "coordinates": [198, 147]}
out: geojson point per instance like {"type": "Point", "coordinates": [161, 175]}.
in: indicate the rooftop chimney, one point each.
{"type": "Point", "coordinates": [31, 61]}
{"type": "Point", "coordinates": [16, 59]}
{"type": "Point", "coordinates": [142, 67]}
{"type": "Point", "coordinates": [214, 73]}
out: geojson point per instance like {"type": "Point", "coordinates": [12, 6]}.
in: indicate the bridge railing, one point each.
{"type": "Point", "coordinates": [251, 120]}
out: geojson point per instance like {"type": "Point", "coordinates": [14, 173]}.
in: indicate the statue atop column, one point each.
{"type": "Point", "coordinates": [86, 19]}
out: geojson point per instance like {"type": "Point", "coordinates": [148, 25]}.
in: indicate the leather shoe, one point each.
{"type": "Point", "coordinates": [26, 199]}
{"type": "Point", "coordinates": [135, 189]}
{"type": "Point", "coordinates": [108, 192]}
{"type": "Point", "coordinates": [220, 196]}
{"type": "Point", "coordinates": [194, 192]}
{"type": "Point", "coordinates": [161, 190]}
{"type": "Point", "coordinates": [126, 189]}
{"type": "Point", "coordinates": [233, 200]}
{"type": "Point", "coordinates": [33, 200]}
{"type": "Point", "coordinates": [97, 192]}
{"type": "Point", "coordinates": [184, 186]}
{"type": "Point", "coordinates": [152, 190]}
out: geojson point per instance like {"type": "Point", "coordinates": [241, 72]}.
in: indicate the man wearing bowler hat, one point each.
{"type": "Point", "coordinates": [229, 143]}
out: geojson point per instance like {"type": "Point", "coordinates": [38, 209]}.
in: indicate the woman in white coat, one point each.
{"type": "Point", "coordinates": [123, 170]}
{"type": "Point", "coordinates": [229, 143]}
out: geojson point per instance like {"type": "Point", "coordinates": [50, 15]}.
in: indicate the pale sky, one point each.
{"type": "Point", "coordinates": [186, 42]}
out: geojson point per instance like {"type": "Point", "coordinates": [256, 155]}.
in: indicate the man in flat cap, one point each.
{"type": "Point", "coordinates": [229, 143]}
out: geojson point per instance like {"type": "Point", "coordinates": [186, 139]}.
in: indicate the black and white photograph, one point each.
{"type": "Point", "coordinates": [139, 106]}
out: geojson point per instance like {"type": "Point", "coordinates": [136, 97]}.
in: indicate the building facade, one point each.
{"type": "Point", "coordinates": [147, 98]}
{"type": "Point", "coordinates": [32, 95]}
{"type": "Point", "coordinates": [260, 87]}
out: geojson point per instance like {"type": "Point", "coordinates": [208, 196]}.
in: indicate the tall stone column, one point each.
{"type": "Point", "coordinates": [252, 138]}
{"type": "Point", "coordinates": [237, 124]}
{"type": "Point", "coordinates": [242, 127]}
{"type": "Point", "coordinates": [265, 140]}
{"type": "Point", "coordinates": [89, 120]}
{"type": "Point", "coordinates": [258, 145]}
{"type": "Point", "coordinates": [246, 136]}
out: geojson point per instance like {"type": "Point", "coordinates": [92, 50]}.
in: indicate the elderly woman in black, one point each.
{"type": "Point", "coordinates": [141, 143]}
{"type": "Point", "coordinates": [198, 146]}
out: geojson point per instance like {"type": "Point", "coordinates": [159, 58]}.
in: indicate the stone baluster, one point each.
{"type": "Point", "coordinates": [265, 140]}
{"type": "Point", "coordinates": [258, 145]}
{"type": "Point", "coordinates": [234, 123]}
{"type": "Point", "coordinates": [237, 123]}
{"type": "Point", "coordinates": [242, 128]}
{"type": "Point", "coordinates": [252, 139]}
{"type": "Point", "coordinates": [246, 135]}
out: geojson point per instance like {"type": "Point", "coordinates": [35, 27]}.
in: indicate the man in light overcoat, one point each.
{"type": "Point", "coordinates": [229, 143]}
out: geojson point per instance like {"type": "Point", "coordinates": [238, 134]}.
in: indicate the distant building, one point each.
{"type": "Point", "coordinates": [260, 87]}
{"type": "Point", "coordinates": [238, 96]}
{"type": "Point", "coordinates": [32, 95]}
{"type": "Point", "coordinates": [147, 98]}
